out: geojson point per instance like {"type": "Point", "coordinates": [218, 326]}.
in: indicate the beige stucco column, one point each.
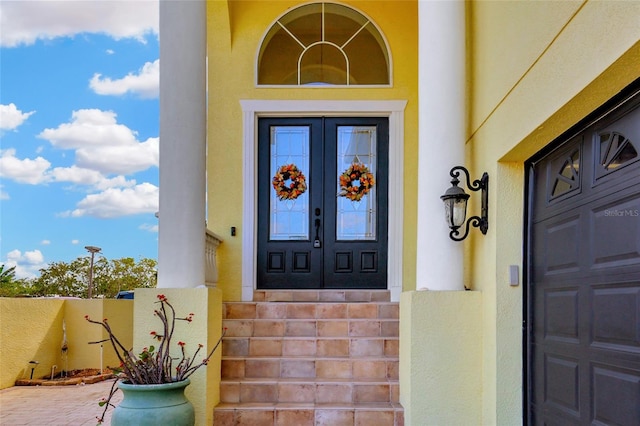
{"type": "Point", "coordinates": [181, 239]}
{"type": "Point", "coordinates": [441, 138]}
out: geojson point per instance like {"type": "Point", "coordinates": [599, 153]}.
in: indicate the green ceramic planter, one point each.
{"type": "Point", "coordinates": [152, 405]}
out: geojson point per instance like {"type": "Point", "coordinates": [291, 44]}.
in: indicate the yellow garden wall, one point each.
{"type": "Point", "coordinates": [31, 329]}
{"type": "Point", "coordinates": [119, 314]}
{"type": "Point", "coordinates": [235, 30]}
{"type": "Point", "coordinates": [537, 69]}
{"type": "Point", "coordinates": [206, 328]}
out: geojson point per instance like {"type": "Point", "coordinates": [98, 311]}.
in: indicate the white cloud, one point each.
{"type": "Point", "coordinates": [23, 171]}
{"type": "Point", "coordinates": [121, 159]}
{"type": "Point", "coordinates": [110, 51]}
{"type": "Point", "coordinates": [11, 117]}
{"type": "Point", "coordinates": [75, 242]}
{"type": "Point", "coordinates": [37, 171]}
{"type": "Point", "coordinates": [115, 202]}
{"type": "Point", "coordinates": [82, 176]}
{"type": "Point", "coordinates": [27, 264]}
{"type": "Point", "coordinates": [102, 144]}
{"type": "Point", "coordinates": [89, 127]}
{"type": "Point", "coordinates": [45, 242]}
{"type": "Point", "coordinates": [23, 22]}
{"type": "Point", "coordinates": [149, 227]}
{"type": "Point", "coordinates": [146, 83]}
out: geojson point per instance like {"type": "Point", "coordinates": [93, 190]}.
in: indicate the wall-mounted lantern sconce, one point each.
{"type": "Point", "coordinates": [455, 204]}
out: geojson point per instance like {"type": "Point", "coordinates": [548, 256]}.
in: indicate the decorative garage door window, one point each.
{"type": "Point", "coordinates": [566, 169]}
{"type": "Point", "coordinates": [617, 145]}
{"type": "Point", "coordinates": [323, 44]}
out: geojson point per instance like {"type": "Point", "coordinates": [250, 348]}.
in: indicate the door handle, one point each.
{"type": "Point", "coordinates": [316, 242]}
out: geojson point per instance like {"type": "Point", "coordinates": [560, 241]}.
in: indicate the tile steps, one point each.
{"type": "Point", "coordinates": [311, 328]}
{"type": "Point", "coordinates": [310, 368]}
{"type": "Point", "coordinates": [310, 415]}
{"type": "Point", "coordinates": [311, 358]}
{"type": "Point", "coordinates": [320, 391]}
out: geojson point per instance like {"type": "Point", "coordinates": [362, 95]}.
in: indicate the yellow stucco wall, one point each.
{"type": "Point", "coordinates": [205, 329]}
{"type": "Point", "coordinates": [31, 329]}
{"type": "Point", "coordinates": [119, 314]}
{"type": "Point", "coordinates": [235, 30]}
{"type": "Point", "coordinates": [441, 357]}
{"type": "Point", "coordinates": [537, 69]}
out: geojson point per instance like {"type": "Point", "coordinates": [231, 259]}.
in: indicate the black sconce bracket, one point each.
{"type": "Point", "coordinates": [482, 221]}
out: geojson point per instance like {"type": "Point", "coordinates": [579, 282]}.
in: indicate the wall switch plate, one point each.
{"type": "Point", "coordinates": [514, 275]}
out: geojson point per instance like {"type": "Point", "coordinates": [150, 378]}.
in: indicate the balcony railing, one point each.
{"type": "Point", "coordinates": [212, 241]}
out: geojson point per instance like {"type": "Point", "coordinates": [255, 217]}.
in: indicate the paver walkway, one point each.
{"type": "Point", "coordinates": [54, 405]}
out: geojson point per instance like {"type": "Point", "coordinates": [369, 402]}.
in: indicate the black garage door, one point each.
{"type": "Point", "coordinates": [583, 334]}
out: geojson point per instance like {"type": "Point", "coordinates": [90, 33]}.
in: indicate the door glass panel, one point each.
{"type": "Point", "coordinates": [356, 207]}
{"type": "Point", "coordinates": [289, 168]}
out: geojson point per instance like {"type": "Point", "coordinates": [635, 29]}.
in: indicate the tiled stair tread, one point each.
{"type": "Point", "coordinates": [386, 358]}
{"type": "Point", "coordinates": [312, 328]}
{"type": "Point", "coordinates": [307, 338]}
{"type": "Point", "coordinates": [309, 405]}
{"type": "Point", "coordinates": [304, 414]}
{"type": "Point", "coordinates": [321, 311]}
{"type": "Point", "coordinates": [352, 358]}
{"type": "Point", "coordinates": [276, 320]}
{"type": "Point", "coordinates": [307, 380]}
{"type": "Point", "coordinates": [322, 295]}
{"type": "Point", "coordinates": [294, 338]}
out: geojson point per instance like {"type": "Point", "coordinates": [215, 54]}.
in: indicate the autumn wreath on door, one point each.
{"type": "Point", "coordinates": [356, 182]}
{"type": "Point", "coordinates": [289, 182]}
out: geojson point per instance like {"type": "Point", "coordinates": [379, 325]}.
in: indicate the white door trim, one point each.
{"type": "Point", "coordinates": [252, 109]}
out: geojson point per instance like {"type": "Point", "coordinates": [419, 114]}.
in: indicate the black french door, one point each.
{"type": "Point", "coordinates": [322, 202]}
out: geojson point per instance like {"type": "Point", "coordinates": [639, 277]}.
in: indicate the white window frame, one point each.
{"type": "Point", "coordinates": [276, 22]}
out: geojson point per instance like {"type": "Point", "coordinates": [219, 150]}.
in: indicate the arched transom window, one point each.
{"type": "Point", "coordinates": [323, 44]}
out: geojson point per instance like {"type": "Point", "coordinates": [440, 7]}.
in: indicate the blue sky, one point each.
{"type": "Point", "coordinates": [78, 130]}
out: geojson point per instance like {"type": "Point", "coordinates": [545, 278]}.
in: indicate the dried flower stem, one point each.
{"type": "Point", "coordinates": [153, 366]}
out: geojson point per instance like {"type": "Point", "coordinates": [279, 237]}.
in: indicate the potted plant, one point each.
{"type": "Point", "coordinates": [153, 381]}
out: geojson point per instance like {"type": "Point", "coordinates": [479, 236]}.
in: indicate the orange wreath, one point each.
{"type": "Point", "coordinates": [296, 185]}
{"type": "Point", "coordinates": [357, 172]}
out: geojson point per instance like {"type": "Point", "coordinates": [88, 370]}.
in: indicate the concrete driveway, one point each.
{"type": "Point", "coordinates": [54, 405]}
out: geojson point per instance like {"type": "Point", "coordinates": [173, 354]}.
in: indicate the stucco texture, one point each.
{"type": "Point", "coordinates": [235, 32]}
{"type": "Point", "coordinates": [31, 330]}
{"type": "Point", "coordinates": [205, 329]}
{"type": "Point", "coordinates": [440, 357]}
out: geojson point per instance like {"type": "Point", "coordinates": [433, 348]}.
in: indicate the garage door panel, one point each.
{"type": "Point", "coordinates": [615, 229]}
{"type": "Point", "coordinates": [616, 317]}
{"type": "Point", "coordinates": [584, 275]}
{"type": "Point", "coordinates": [616, 392]}
{"type": "Point", "coordinates": [562, 384]}
{"type": "Point", "coordinates": [562, 242]}
{"type": "Point", "coordinates": [561, 315]}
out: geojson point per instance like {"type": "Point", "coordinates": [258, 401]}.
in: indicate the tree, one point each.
{"type": "Point", "coordinates": [7, 275]}
{"type": "Point", "coordinates": [9, 285]}
{"type": "Point", "coordinates": [72, 279]}
{"type": "Point", "coordinates": [126, 274]}
{"type": "Point", "coordinates": [63, 279]}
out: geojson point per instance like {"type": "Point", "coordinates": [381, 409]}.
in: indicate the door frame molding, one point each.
{"type": "Point", "coordinates": [252, 109]}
